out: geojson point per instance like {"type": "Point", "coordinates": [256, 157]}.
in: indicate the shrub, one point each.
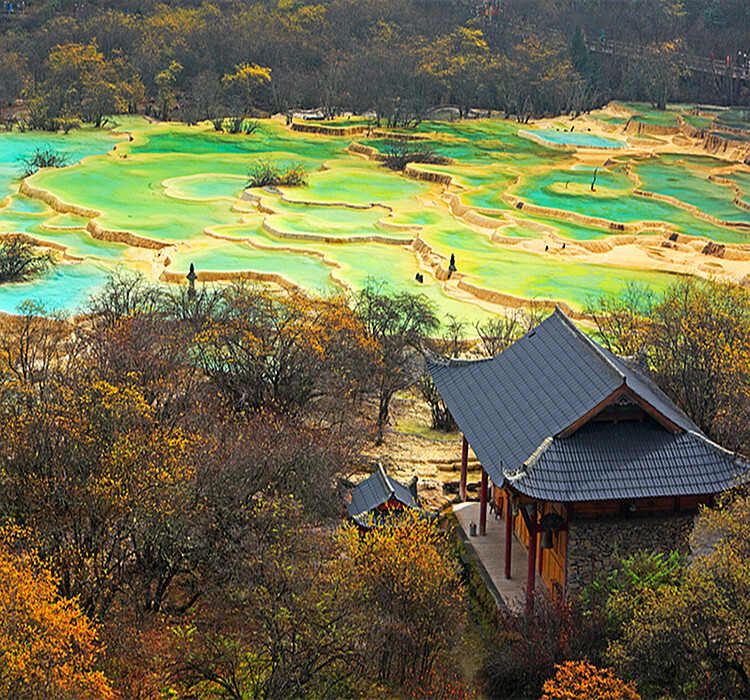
{"type": "Point", "coordinates": [49, 646]}
{"type": "Point", "coordinates": [42, 157]}
{"type": "Point", "coordinates": [531, 643]}
{"type": "Point", "coordinates": [19, 260]}
{"type": "Point", "coordinates": [235, 124]}
{"type": "Point", "coordinates": [67, 124]}
{"type": "Point", "coordinates": [400, 152]}
{"type": "Point", "coordinates": [414, 598]}
{"type": "Point", "coordinates": [266, 173]}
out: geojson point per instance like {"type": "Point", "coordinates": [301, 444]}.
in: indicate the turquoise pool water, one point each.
{"type": "Point", "coordinates": [575, 138]}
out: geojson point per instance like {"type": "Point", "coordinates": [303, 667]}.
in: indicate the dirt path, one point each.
{"type": "Point", "coordinates": [410, 448]}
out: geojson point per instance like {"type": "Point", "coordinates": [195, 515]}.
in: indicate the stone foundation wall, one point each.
{"type": "Point", "coordinates": [594, 544]}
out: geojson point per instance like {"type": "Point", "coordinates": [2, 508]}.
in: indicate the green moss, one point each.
{"type": "Point", "coordinates": [415, 428]}
{"type": "Point", "coordinates": [481, 603]}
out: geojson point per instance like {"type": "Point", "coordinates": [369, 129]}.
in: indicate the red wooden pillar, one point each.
{"type": "Point", "coordinates": [464, 469]}
{"type": "Point", "coordinates": [508, 532]}
{"type": "Point", "coordinates": [531, 563]}
{"type": "Point", "coordinates": [483, 505]}
{"type": "Point", "coordinates": [541, 551]}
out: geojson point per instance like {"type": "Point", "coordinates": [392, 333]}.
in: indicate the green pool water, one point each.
{"type": "Point", "coordinates": [613, 199]}
{"type": "Point", "coordinates": [358, 184]}
{"type": "Point", "coordinates": [131, 195]}
{"type": "Point", "coordinates": [206, 186]}
{"type": "Point", "coordinates": [183, 186]}
{"type": "Point", "coordinates": [736, 118]}
{"type": "Point", "coordinates": [699, 122]}
{"type": "Point", "coordinates": [687, 180]}
{"type": "Point", "coordinates": [743, 181]}
{"type": "Point", "coordinates": [648, 114]}
{"type": "Point", "coordinates": [355, 264]}
{"type": "Point", "coordinates": [533, 276]}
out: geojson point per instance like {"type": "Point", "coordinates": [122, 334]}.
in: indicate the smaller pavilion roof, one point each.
{"type": "Point", "coordinates": [374, 492]}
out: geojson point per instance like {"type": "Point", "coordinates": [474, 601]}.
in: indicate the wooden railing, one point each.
{"type": "Point", "coordinates": [735, 68]}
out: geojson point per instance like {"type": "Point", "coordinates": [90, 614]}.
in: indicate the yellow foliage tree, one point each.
{"type": "Point", "coordinates": [410, 580]}
{"type": "Point", "coordinates": [165, 82]}
{"type": "Point", "coordinates": [81, 84]}
{"type": "Point", "coordinates": [285, 351]}
{"type": "Point", "coordinates": [104, 488]}
{"type": "Point", "coordinates": [695, 337]}
{"type": "Point", "coordinates": [48, 648]}
{"type": "Point", "coordinates": [246, 80]}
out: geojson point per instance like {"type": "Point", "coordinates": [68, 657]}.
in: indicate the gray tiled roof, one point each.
{"type": "Point", "coordinates": [375, 491]}
{"type": "Point", "coordinates": [612, 461]}
{"type": "Point", "coordinates": [537, 388]}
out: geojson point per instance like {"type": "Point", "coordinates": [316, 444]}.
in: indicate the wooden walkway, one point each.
{"type": "Point", "coordinates": [489, 554]}
{"type": "Point", "coordinates": [734, 68]}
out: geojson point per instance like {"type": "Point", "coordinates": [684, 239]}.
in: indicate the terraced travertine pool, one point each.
{"type": "Point", "coordinates": [531, 212]}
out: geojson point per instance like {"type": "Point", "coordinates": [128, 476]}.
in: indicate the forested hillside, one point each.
{"type": "Point", "coordinates": [402, 58]}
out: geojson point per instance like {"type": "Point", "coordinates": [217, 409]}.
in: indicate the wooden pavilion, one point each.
{"type": "Point", "coordinates": [374, 502]}
{"type": "Point", "coordinates": [587, 455]}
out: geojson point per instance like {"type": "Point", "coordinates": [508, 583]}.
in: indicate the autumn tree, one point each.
{"type": "Point", "coordinates": [531, 642]}
{"type": "Point", "coordinates": [104, 488]}
{"type": "Point", "coordinates": [50, 647]}
{"type": "Point", "coordinates": [283, 624]}
{"type": "Point", "coordinates": [165, 81]}
{"type": "Point", "coordinates": [80, 83]}
{"type": "Point", "coordinates": [397, 322]}
{"type": "Point", "coordinates": [461, 63]}
{"type": "Point", "coordinates": [21, 260]}
{"type": "Point", "coordinates": [451, 344]}
{"type": "Point", "coordinates": [284, 351]}
{"type": "Point", "coordinates": [538, 79]}
{"type": "Point", "coordinates": [35, 349]}
{"type": "Point", "coordinates": [204, 99]}
{"type": "Point", "coordinates": [694, 338]}
{"type": "Point", "coordinates": [13, 74]}
{"type": "Point", "coordinates": [245, 82]}
{"type": "Point", "coordinates": [677, 630]}
{"type": "Point", "coordinates": [138, 336]}
{"type": "Point", "coordinates": [657, 71]}
{"type": "Point", "coordinates": [498, 332]}
{"type": "Point", "coordinates": [580, 679]}
{"type": "Point", "coordinates": [408, 581]}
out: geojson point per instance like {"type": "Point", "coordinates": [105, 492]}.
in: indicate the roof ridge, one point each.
{"type": "Point", "coordinates": [594, 349]}
{"type": "Point", "coordinates": [452, 361]}
{"type": "Point", "coordinates": [385, 480]}
{"type": "Point", "coordinates": [733, 456]}
{"type": "Point", "coordinates": [530, 461]}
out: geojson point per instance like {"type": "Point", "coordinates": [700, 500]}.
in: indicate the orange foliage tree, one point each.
{"type": "Point", "coordinates": [48, 646]}
{"type": "Point", "coordinates": [580, 679]}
